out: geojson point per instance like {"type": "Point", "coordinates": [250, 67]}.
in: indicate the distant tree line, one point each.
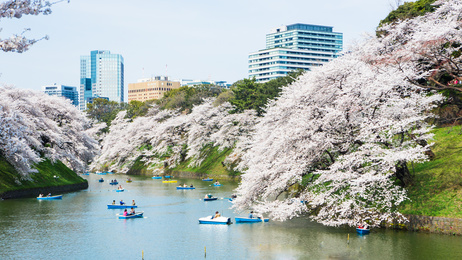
{"type": "Point", "coordinates": [245, 94]}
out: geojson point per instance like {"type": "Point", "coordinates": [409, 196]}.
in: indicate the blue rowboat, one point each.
{"type": "Point", "coordinates": [167, 176]}
{"type": "Point", "coordinates": [120, 190]}
{"type": "Point", "coordinates": [363, 231]}
{"type": "Point", "coordinates": [114, 183]}
{"type": "Point", "coordinates": [101, 173]}
{"type": "Point", "coordinates": [216, 185]}
{"type": "Point", "coordinates": [185, 188]}
{"type": "Point", "coordinates": [136, 215]}
{"type": "Point", "coordinates": [101, 180]}
{"type": "Point", "coordinates": [125, 206]}
{"type": "Point", "coordinates": [210, 199]}
{"type": "Point", "coordinates": [208, 179]}
{"type": "Point", "coordinates": [157, 177]}
{"type": "Point", "coordinates": [219, 220]}
{"type": "Point", "coordinates": [56, 197]}
{"type": "Point", "coordinates": [86, 173]}
{"type": "Point", "coordinates": [250, 220]}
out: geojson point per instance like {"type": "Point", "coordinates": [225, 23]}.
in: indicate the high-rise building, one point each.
{"type": "Point", "coordinates": [63, 91]}
{"type": "Point", "coordinates": [101, 75]}
{"type": "Point", "coordinates": [292, 47]}
{"type": "Point", "coordinates": [151, 88]}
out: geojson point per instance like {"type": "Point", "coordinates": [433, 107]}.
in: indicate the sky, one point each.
{"type": "Point", "coordinates": [183, 39]}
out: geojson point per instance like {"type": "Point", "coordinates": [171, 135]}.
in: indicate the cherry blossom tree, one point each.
{"type": "Point", "coordinates": [427, 49]}
{"type": "Point", "coordinates": [34, 126]}
{"type": "Point", "coordinates": [16, 9]}
{"type": "Point", "coordinates": [337, 141]}
{"type": "Point", "coordinates": [164, 138]}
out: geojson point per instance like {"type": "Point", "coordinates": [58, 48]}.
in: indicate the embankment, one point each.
{"type": "Point", "coordinates": [50, 178]}
{"type": "Point", "coordinates": [34, 192]}
{"type": "Point", "coordinates": [427, 224]}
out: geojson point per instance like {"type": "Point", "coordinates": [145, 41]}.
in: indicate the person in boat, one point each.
{"type": "Point", "coordinates": [133, 203]}
{"type": "Point", "coordinates": [113, 202]}
{"type": "Point", "coordinates": [120, 187]}
{"type": "Point", "coordinates": [49, 194]}
{"type": "Point", "coordinates": [192, 186]}
{"type": "Point", "coordinates": [122, 202]}
{"type": "Point", "coordinates": [125, 212]}
{"type": "Point", "coordinates": [185, 185]}
{"type": "Point", "coordinates": [40, 195]}
{"type": "Point", "coordinates": [217, 215]}
{"type": "Point", "coordinates": [132, 211]}
{"type": "Point", "coordinates": [217, 183]}
{"type": "Point", "coordinates": [251, 214]}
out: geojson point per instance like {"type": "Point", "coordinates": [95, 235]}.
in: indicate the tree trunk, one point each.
{"type": "Point", "coordinates": [403, 174]}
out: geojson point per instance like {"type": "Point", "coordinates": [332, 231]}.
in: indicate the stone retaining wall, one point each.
{"type": "Point", "coordinates": [438, 225]}
{"type": "Point", "coordinates": [28, 193]}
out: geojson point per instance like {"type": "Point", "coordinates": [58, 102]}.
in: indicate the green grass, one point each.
{"type": "Point", "coordinates": [10, 179]}
{"type": "Point", "coordinates": [437, 187]}
{"type": "Point", "coordinates": [212, 165]}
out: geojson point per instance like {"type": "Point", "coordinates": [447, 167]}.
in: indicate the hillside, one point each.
{"type": "Point", "coordinates": [437, 187]}
{"type": "Point", "coordinates": [10, 179]}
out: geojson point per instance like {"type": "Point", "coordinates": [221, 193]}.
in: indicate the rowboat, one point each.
{"type": "Point", "coordinates": [114, 183]}
{"type": "Point", "coordinates": [171, 181]}
{"type": "Point", "coordinates": [56, 197]}
{"type": "Point", "coordinates": [157, 177]}
{"type": "Point", "coordinates": [167, 176]}
{"type": "Point", "coordinates": [86, 173]}
{"type": "Point", "coordinates": [208, 179]}
{"type": "Point", "coordinates": [101, 180]}
{"type": "Point", "coordinates": [101, 173]}
{"type": "Point", "coordinates": [185, 188]}
{"type": "Point", "coordinates": [210, 199]}
{"type": "Point", "coordinates": [362, 231]}
{"type": "Point", "coordinates": [125, 206]}
{"type": "Point", "coordinates": [250, 220]}
{"type": "Point", "coordinates": [129, 181]}
{"type": "Point", "coordinates": [136, 215]}
{"type": "Point", "coordinates": [120, 190]}
{"type": "Point", "coordinates": [219, 220]}
{"type": "Point", "coordinates": [216, 185]}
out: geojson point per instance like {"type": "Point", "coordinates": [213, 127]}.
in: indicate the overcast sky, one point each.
{"type": "Point", "coordinates": [184, 39]}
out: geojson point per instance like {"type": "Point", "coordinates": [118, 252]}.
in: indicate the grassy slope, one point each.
{"type": "Point", "coordinates": [437, 189]}
{"type": "Point", "coordinates": [212, 165]}
{"type": "Point", "coordinates": [44, 178]}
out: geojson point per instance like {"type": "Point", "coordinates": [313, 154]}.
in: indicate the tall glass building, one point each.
{"type": "Point", "coordinates": [63, 91]}
{"type": "Point", "coordinates": [292, 47]}
{"type": "Point", "coordinates": [101, 75]}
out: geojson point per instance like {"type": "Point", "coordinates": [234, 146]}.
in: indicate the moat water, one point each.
{"type": "Point", "coordinates": [81, 227]}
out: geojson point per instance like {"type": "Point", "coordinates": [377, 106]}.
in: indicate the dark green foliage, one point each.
{"type": "Point", "coordinates": [409, 10]}
{"type": "Point", "coordinates": [138, 108]}
{"type": "Point", "coordinates": [449, 112]}
{"type": "Point", "coordinates": [186, 97]}
{"type": "Point", "coordinates": [224, 96]}
{"type": "Point", "coordinates": [248, 94]}
{"type": "Point", "coordinates": [103, 110]}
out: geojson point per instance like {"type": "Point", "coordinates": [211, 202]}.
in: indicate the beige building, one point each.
{"type": "Point", "coordinates": [151, 88]}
